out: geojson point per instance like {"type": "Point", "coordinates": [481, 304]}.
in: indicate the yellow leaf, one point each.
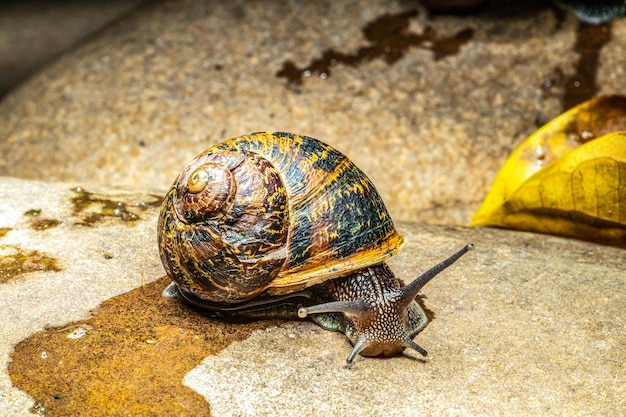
{"type": "Point", "coordinates": [566, 180]}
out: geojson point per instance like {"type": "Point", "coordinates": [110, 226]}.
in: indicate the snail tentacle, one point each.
{"type": "Point", "coordinates": [381, 317]}
{"type": "Point", "coordinates": [410, 343]}
{"type": "Point", "coordinates": [359, 346]}
{"type": "Point", "coordinates": [409, 292]}
{"type": "Point", "coordinates": [357, 308]}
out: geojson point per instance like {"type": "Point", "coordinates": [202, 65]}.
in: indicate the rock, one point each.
{"type": "Point", "coordinates": [35, 33]}
{"type": "Point", "coordinates": [58, 274]}
{"type": "Point", "coordinates": [429, 108]}
{"type": "Point", "coordinates": [525, 325]}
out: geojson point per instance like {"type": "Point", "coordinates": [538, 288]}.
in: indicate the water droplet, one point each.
{"type": "Point", "coordinates": [78, 333]}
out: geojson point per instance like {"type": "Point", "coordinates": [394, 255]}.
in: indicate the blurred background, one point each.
{"type": "Point", "coordinates": [427, 97]}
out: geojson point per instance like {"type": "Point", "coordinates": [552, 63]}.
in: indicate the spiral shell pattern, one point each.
{"type": "Point", "coordinates": [270, 212]}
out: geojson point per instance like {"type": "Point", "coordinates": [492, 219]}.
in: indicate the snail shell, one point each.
{"type": "Point", "coordinates": [252, 222]}
{"type": "Point", "coordinates": [270, 212]}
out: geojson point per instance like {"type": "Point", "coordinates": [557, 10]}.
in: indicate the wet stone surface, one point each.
{"type": "Point", "coordinates": [131, 355]}
{"type": "Point", "coordinates": [15, 261]}
{"type": "Point", "coordinates": [389, 39]}
{"type": "Point", "coordinates": [525, 324]}
{"type": "Point", "coordinates": [54, 275]}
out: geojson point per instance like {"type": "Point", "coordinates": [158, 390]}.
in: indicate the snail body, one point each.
{"type": "Point", "coordinates": [277, 224]}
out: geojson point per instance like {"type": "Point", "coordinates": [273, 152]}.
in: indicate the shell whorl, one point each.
{"type": "Point", "coordinates": [207, 193]}
{"type": "Point", "coordinates": [223, 227]}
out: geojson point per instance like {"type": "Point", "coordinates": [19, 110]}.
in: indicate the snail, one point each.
{"type": "Point", "coordinates": [276, 224]}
